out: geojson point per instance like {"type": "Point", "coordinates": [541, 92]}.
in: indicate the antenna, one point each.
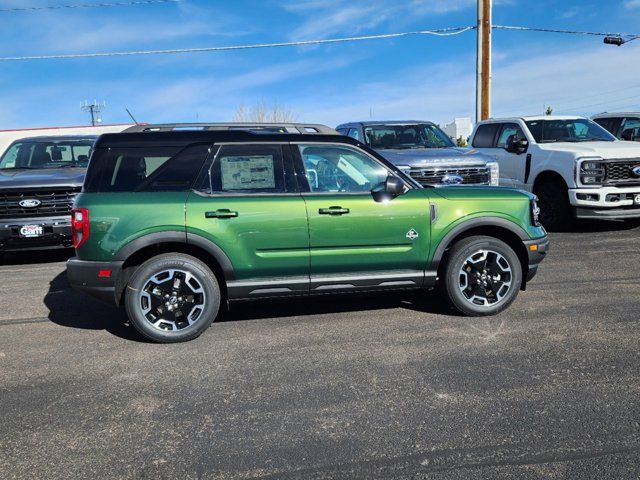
{"type": "Point", "coordinates": [132, 117]}
{"type": "Point", "coordinates": [94, 109]}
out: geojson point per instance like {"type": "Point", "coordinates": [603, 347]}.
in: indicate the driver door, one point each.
{"type": "Point", "coordinates": [356, 241]}
{"type": "Point", "coordinates": [512, 165]}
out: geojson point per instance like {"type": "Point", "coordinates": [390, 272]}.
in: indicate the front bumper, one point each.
{"type": "Point", "coordinates": [604, 197]}
{"type": "Point", "coordinates": [85, 276]}
{"type": "Point", "coordinates": [537, 251]}
{"type": "Point", "coordinates": [56, 233]}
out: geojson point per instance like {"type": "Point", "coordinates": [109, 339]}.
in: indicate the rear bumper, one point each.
{"type": "Point", "coordinates": [84, 276]}
{"type": "Point", "coordinates": [537, 251]}
{"type": "Point", "coordinates": [56, 233]}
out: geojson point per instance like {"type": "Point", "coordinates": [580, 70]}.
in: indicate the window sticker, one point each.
{"type": "Point", "coordinates": [248, 172]}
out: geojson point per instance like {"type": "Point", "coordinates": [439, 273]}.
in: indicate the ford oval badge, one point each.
{"type": "Point", "coordinates": [636, 171]}
{"type": "Point", "coordinates": [29, 203]}
{"type": "Point", "coordinates": [452, 180]}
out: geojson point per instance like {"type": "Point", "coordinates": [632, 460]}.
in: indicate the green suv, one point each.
{"type": "Point", "coordinates": [172, 224]}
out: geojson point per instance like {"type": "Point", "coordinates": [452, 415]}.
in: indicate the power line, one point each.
{"type": "Point", "coordinates": [438, 32]}
{"type": "Point", "coordinates": [442, 32]}
{"type": "Point", "coordinates": [86, 5]}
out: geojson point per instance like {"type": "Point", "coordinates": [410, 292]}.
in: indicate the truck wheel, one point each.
{"type": "Point", "coordinates": [482, 276]}
{"type": "Point", "coordinates": [172, 298]}
{"type": "Point", "coordinates": [555, 210]}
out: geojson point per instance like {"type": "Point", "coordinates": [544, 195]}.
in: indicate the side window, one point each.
{"type": "Point", "coordinates": [156, 169]}
{"type": "Point", "coordinates": [248, 168]}
{"type": "Point", "coordinates": [334, 168]}
{"type": "Point", "coordinates": [507, 130]}
{"type": "Point", "coordinates": [485, 135]}
{"type": "Point", "coordinates": [606, 123]}
{"type": "Point", "coordinates": [630, 129]}
{"type": "Point", "coordinates": [354, 133]}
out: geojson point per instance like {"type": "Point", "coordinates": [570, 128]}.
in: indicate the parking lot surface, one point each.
{"type": "Point", "coordinates": [392, 386]}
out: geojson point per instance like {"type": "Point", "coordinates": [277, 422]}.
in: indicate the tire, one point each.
{"type": "Point", "coordinates": [555, 210]}
{"type": "Point", "coordinates": [486, 298]}
{"type": "Point", "coordinates": [172, 298]}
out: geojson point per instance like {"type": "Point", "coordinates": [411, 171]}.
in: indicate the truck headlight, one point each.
{"type": "Point", "coordinates": [535, 212]}
{"type": "Point", "coordinates": [592, 172]}
{"type": "Point", "coordinates": [494, 173]}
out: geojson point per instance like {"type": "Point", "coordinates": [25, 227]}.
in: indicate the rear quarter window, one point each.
{"type": "Point", "coordinates": [145, 169]}
{"type": "Point", "coordinates": [485, 135]}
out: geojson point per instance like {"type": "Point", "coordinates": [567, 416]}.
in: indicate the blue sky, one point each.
{"type": "Point", "coordinates": [416, 77]}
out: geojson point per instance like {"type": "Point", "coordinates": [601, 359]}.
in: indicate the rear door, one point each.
{"type": "Point", "coordinates": [356, 241]}
{"type": "Point", "coordinates": [248, 205]}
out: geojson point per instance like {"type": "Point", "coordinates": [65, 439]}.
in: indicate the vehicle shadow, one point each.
{"type": "Point", "coordinates": [595, 226]}
{"type": "Point", "coordinates": [74, 309]}
{"type": "Point", "coordinates": [29, 257]}
{"type": "Point", "coordinates": [426, 302]}
{"type": "Point", "coordinates": [71, 308]}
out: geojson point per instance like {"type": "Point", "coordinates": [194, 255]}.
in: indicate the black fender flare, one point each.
{"type": "Point", "coordinates": [474, 223]}
{"type": "Point", "coordinates": [176, 236]}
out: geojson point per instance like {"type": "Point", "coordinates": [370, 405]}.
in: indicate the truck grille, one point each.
{"type": "Point", "coordinates": [620, 172]}
{"type": "Point", "coordinates": [434, 175]}
{"type": "Point", "coordinates": [53, 202]}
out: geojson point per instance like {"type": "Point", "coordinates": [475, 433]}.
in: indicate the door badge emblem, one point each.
{"type": "Point", "coordinates": [412, 234]}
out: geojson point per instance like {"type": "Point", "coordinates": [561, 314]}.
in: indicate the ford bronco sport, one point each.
{"type": "Point", "coordinates": [173, 224]}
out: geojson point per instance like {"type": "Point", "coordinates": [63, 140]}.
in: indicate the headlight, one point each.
{"type": "Point", "coordinates": [535, 212]}
{"type": "Point", "coordinates": [494, 171]}
{"type": "Point", "coordinates": [591, 172]}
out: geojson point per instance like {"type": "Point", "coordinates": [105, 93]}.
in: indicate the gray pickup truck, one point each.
{"type": "Point", "coordinates": [39, 180]}
{"type": "Point", "coordinates": [424, 151]}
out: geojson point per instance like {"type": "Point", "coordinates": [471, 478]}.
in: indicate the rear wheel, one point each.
{"type": "Point", "coordinates": [482, 276]}
{"type": "Point", "coordinates": [555, 210]}
{"type": "Point", "coordinates": [172, 298]}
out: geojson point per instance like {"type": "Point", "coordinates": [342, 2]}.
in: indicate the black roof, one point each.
{"type": "Point", "coordinates": [182, 138]}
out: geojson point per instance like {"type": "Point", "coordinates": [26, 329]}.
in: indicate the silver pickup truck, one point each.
{"type": "Point", "coordinates": [425, 152]}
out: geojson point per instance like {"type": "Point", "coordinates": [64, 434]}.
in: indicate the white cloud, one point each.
{"type": "Point", "coordinates": [632, 4]}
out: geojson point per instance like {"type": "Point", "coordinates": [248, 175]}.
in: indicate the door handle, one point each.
{"type": "Point", "coordinates": [221, 213]}
{"type": "Point", "coordinates": [335, 210]}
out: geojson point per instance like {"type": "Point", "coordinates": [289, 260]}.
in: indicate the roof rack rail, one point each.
{"type": "Point", "coordinates": [268, 128]}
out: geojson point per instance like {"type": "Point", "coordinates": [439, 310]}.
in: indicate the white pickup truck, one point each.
{"type": "Point", "coordinates": [575, 167]}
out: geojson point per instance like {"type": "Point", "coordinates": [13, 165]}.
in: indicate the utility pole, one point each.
{"type": "Point", "coordinates": [94, 110]}
{"type": "Point", "coordinates": [483, 65]}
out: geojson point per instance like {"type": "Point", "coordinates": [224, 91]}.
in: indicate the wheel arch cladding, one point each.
{"type": "Point", "coordinates": [143, 248]}
{"type": "Point", "coordinates": [549, 176]}
{"type": "Point", "coordinates": [503, 230]}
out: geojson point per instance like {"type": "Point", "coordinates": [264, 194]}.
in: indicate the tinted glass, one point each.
{"type": "Point", "coordinates": [248, 168]}
{"type": "Point", "coordinates": [354, 133]}
{"type": "Point", "coordinates": [406, 136]}
{"type": "Point", "coordinates": [47, 154]}
{"type": "Point", "coordinates": [571, 130]}
{"type": "Point", "coordinates": [630, 129]}
{"type": "Point", "coordinates": [332, 168]}
{"type": "Point", "coordinates": [508, 130]}
{"type": "Point", "coordinates": [145, 169]}
{"type": "Point", "coordinates": [485, 135]}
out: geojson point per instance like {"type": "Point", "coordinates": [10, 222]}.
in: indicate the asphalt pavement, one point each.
{"type": "Point", "coordinates": [385, 386]}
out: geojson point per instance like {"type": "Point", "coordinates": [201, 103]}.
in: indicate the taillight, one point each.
{"type": "Point", "coordinates": [79, 226]}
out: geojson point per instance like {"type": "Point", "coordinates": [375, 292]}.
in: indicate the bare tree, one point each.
{"type": "Point", "coordinates": [262, 113]}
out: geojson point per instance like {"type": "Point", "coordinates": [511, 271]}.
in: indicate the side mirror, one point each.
{"type": "Point", "coordinates": [393, 186]}
{"type": "Point", "coordinates": [516, 146]}
{"type": "Point", "coordinates": [389, 189]}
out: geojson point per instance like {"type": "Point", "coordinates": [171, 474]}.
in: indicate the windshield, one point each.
{"type": "Point", "coordinates": [36, 154]}
{"type": "Point", "coordinates": [406, 136]}
{"type": "Point", "coordinates": [573, 130]}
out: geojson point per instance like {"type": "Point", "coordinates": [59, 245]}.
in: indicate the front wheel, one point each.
{"type": "Point", "coordinates": [555, 210]}
{"type": "Point", "coordinates": [482, 276]}
{"type": "Point", "coordinates": [172, 298]}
